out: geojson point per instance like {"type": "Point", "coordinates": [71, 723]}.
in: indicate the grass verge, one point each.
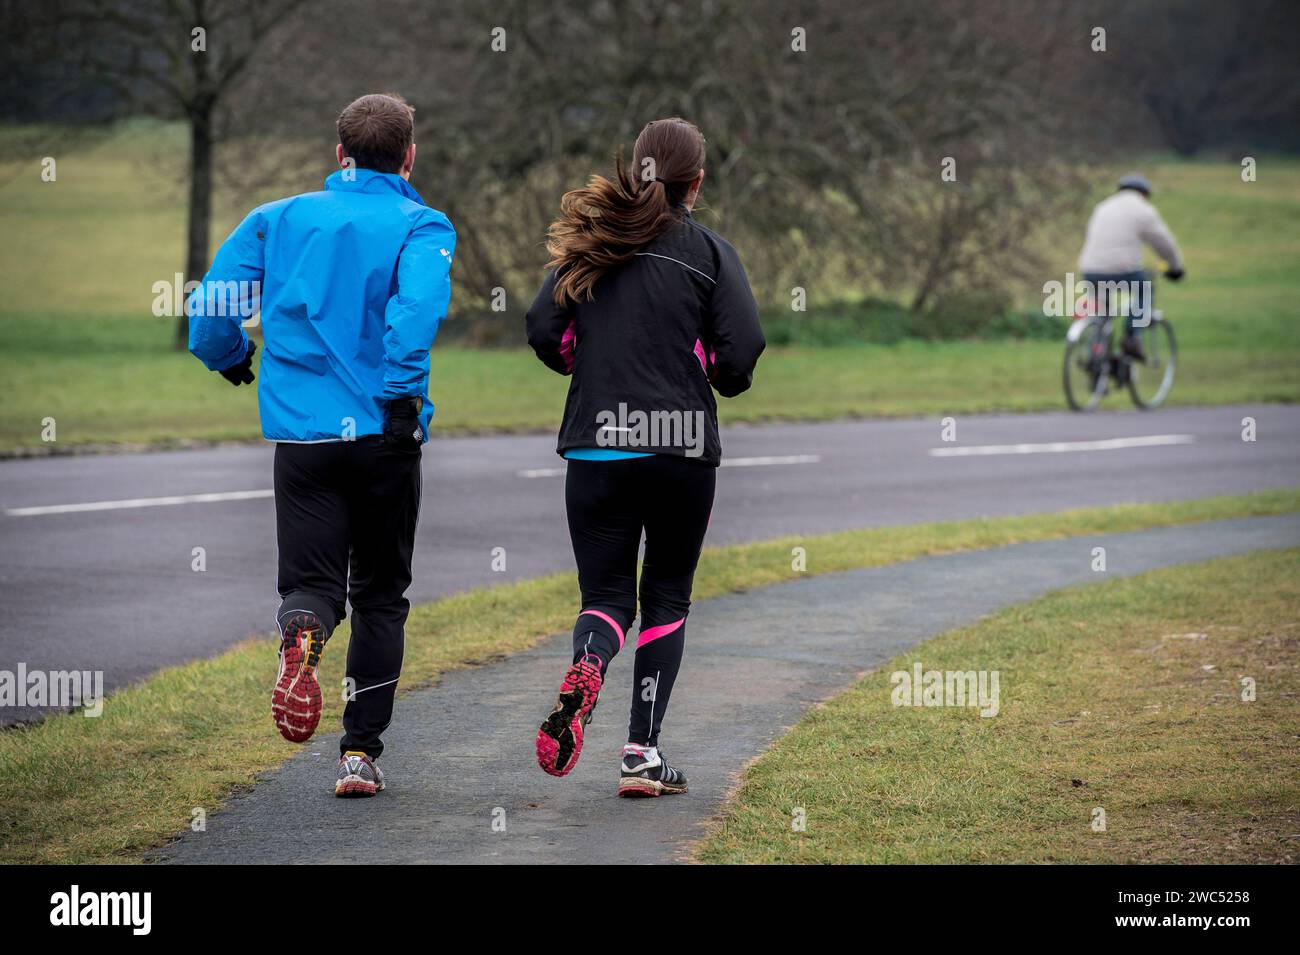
{"type": "Point", "coordinates": [79, 790]}
{"type": "Point", "coordinates": [1124, 697]}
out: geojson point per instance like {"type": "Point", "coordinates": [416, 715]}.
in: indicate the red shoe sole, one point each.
{"type": "Point", "coordinates": [296, 701]}
{"type": "Point", "coordinates": [355, 788]}
{"type": "Point", "coordinates": [559, 739]}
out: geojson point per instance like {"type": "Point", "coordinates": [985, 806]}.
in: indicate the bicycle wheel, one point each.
{"type": "Point", "coordinates": [1149, 381]}
{"type": "Point", "coordinates": [1086, 368]}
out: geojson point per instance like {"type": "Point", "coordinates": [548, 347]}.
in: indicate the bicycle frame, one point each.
{"type": "Point", "coordinates": [1102, 363]}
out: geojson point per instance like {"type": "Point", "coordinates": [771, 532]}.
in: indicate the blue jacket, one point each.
{"type": "Point", "coordinates": [354, 282]}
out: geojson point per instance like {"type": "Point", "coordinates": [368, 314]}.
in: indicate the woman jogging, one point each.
{"type": "Point", "coordinates": [648, 311]}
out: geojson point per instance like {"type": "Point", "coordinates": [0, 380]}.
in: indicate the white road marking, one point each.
{"type": "Point", "coordinates": [220, 496]}
{"type": "Point", "coordinates": [758, 462]}
{"type": "Point", "coordinates": [138, 502]}
{"type": "Point", "coordinates": [762, 462]}
{"type": "Point", "coordinates": [1058, 447]}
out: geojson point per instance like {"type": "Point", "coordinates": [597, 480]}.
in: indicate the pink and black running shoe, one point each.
{"type": "Point", "coordinates": [559, 740]}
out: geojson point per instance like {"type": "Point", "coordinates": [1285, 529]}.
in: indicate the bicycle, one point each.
{"type": "Point", "coordinates": [1092, 363]}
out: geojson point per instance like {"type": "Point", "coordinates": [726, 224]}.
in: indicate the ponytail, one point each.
{"type": "Point", "coordinates": [603, 225]}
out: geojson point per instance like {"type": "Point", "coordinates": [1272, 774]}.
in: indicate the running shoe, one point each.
{"type": "Point", "coordinates": [358, 776]}
{"type": "Point", "coordinates": [296, 703]}
{"type": "Point", "coordinates": [647, 773]}
{"type": "Point", "coordinates": [559, 740]}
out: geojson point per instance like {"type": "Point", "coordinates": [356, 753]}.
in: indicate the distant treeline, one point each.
{"type": "Point", "coordinates": [902, 151]}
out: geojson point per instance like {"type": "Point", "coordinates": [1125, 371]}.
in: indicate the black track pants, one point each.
{"type": "Point", "coordinates": [610, 504]}
{"type": "Point", "coordinates": [345, 518]}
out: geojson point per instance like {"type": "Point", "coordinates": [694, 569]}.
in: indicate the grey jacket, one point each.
{"type": "Point", "coordinates": [1116, 231]}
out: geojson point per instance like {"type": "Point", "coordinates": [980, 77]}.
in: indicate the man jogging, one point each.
{"type": "Point", "coordinates": [1112, 254]}
{"type": "Point", "coordinates": [352, 283]}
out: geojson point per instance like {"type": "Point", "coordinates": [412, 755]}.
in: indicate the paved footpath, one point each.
{"type": "Point", "coordinates": [461, 752]}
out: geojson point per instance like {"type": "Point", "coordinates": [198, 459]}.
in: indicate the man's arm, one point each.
{"type": "Point", "coordinates": [1157, 235]}
{"type": "Point", "coordinates": [415, 311]}
{"type": "Point", "coordinates": [229, 293]}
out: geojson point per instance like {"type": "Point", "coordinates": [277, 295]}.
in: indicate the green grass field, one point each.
{"type": "Point", "coordinates": [1124, 696]}
{"type": "Point", "coordinates": [79, 790]}
{"type": "Point", "coordinates": [78, 341]}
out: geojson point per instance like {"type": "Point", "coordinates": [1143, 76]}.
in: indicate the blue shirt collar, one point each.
{"type": "Point", "coordinates": [370, 181]}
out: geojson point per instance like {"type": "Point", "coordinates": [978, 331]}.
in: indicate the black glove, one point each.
{"type": "Point", "coordinates": [241, 374]}
{"type": "Point", "coordinates": [1174, 275]}
{"type": "Point", "coordinates": [402, 423]}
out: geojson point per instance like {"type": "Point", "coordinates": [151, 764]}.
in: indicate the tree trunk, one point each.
{"type": "Point", "coordinates": [200, 211]}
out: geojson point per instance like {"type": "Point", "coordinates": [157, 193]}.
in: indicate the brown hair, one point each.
{"type": "Point", "coordinates": [376, 131]}
{"type": "Point", "coordinates": [602, 225]}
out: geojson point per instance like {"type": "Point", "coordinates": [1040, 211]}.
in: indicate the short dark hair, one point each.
{"type": "Point", "coordinates": [376, 131]}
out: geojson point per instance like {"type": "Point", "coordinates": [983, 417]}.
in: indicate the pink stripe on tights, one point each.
{"type": "Point", "coordinates": [609, 620]}
{"type": "Point", "coordinates": [654, 633]}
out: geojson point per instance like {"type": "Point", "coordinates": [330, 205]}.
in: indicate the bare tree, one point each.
{"type": "Point", "coordinates": [824, 155]}
{"type": "Point", "coordinates": [176, 59]}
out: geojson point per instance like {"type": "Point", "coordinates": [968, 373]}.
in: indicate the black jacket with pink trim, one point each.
{"type": "Point", "coordinates": [661, 332]}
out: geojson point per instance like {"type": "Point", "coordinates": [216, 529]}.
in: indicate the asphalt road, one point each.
{"type": "Point", "coordinates": [114, 589]}
{"type": "Point", "coordinates": [463, 782]}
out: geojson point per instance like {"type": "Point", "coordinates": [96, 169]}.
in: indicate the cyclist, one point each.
{"type": "Point", "coordinates": [1112, 254]}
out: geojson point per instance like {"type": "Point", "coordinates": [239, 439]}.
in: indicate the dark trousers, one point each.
{"type": "Point", "coordinates": [610, 504]}
{"type": "Point", "coordinates": [345, 515]}
{"type": "Point", "coordinates": [1140, 305]}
